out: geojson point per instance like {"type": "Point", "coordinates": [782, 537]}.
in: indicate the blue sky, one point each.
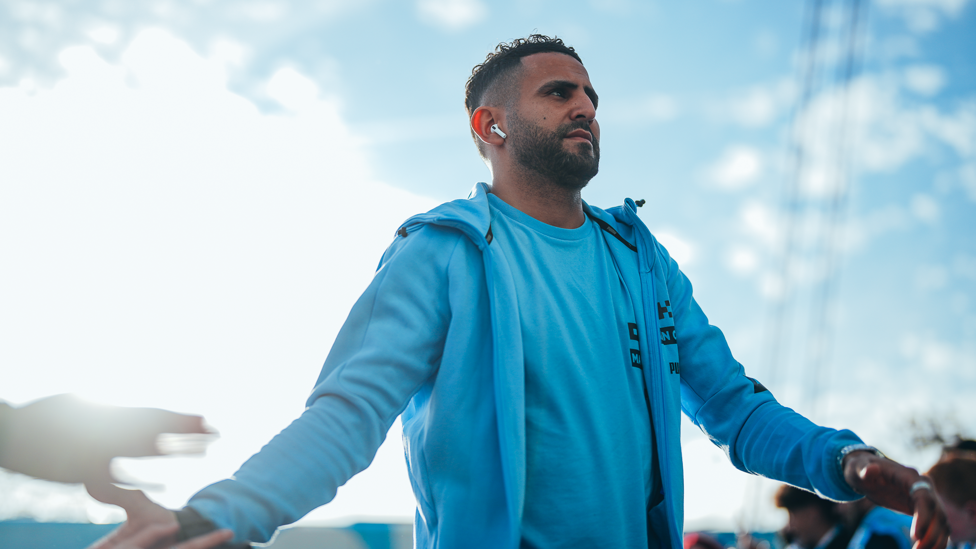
{"type": "Point", "coordinates": [192, 195]}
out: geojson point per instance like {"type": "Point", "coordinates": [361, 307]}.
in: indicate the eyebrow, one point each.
{"type": "Point", "coordinates": [553, 84]}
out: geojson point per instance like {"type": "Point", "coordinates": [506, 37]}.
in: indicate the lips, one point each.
{"type": "Point", "coordinates": [583, 134]}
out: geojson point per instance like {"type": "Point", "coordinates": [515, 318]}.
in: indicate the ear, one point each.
{"type": "Point", "coordinates": [481, 122]}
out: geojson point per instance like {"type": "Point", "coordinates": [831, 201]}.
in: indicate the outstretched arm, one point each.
{"type": "Point", "coordinates": [901, 488]}
{"type": "Point", "coordinates": [65, 439]}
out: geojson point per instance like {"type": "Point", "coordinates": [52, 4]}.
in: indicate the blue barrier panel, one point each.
{"type": "Point", "coordinates": [28, 534]}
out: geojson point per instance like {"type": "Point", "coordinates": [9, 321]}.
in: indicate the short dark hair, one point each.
{"type": "Point", "coordinates": [955, 480]}
{"type": "Point", "coordinates": [961, 444]}
{"type": "Point", "coordinates": [506, 57]}
{"type": "Point", "coordinates": [500, 66]}
{"type": "Point", "coordinates": [792, 498]}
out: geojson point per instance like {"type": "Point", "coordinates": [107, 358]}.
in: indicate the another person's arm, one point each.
{"type": "Point", "coordinates": [892, 485]}
{"type": "Point", "coordinates": [65, 439]}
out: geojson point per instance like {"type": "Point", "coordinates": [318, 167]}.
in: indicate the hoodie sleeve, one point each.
{"type": "Point", "coordinates": [388, 347]}
{"type": "Point", "coordinates": [739, 414]}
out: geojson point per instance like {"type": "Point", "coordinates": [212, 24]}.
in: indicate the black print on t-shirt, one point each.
{"type": "Point", "coordinates": [667, 336]}
{"type": "Point", "coordinates": [667, 332]}
{"type": "Point", "coordinates": [635, 356]}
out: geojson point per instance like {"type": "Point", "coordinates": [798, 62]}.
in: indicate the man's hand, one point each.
{"type": "Point", "coordinates": [66, 439]}
{"type": "Point", "coordinates": [148, 525]}
{"type": "Point", "coordinates": [158, 536]}
{"type": "Point", "coordinates": [888, 484]}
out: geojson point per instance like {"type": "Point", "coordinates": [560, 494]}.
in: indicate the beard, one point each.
{"type": "Point", "coordinates": [545, 154]}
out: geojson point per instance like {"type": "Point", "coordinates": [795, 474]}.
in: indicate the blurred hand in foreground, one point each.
{"type": "Point", "coordinates": [148, 525]}
{"type": "Point", "coordinates": [888, 483]}
{"type": "Point", "coordinates": [65, 439]}
{"type": "Point", "coordinates": [161, 536]}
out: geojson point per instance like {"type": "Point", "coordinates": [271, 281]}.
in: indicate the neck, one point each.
{"type": "Point", "coordinates": [542, 199]}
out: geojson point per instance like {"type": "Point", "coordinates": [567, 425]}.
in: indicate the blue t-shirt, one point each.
{"type": "Point", "coordinates": [588, 436]}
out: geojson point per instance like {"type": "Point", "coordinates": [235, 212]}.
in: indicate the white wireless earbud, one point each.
{"type": "Point", "coordinates": [494, 129]}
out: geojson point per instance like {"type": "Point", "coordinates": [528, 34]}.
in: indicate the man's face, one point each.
{"type": "Point", "coordinates": [807, 525]}
{"type": "Point", "coordinates": [552, 127]}
{"type": "Point", "coordinates": [962, 521]}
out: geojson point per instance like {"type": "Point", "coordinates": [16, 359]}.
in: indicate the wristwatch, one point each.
{"type": "Point", "coordinates": [854, 448]}
{"type": "Point", "coordinates": [193, 524]}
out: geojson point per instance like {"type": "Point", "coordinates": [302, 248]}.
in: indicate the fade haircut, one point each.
{"type": "Point", "coordinates": [490, 82]}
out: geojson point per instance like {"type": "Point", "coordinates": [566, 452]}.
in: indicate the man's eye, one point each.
{"type": "Point", "coordinates": [558, 93]}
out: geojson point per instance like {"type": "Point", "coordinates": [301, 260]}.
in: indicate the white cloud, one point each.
{"type": "Point", "coordinates": [738, 167]}
{"type": "Point", "coordinates": [937, 356]}
{"type": "Point", "coordinates": [959, 303]}
{"type": "Point", "coordinates": [263, 11]}
{"type": "Point", "coordinates": [767, 43]}
{"type": "Point", "coordinates": [964, 266]}
{"type": "Point", "coordinates": [742, 260]}
{"type": "Point", "coordinates": [931, 277]}
{"type": "Point", "coordinates": [228, 52]}
{"type": "Point", "coordinates": [761, 222]}
{"type": "Point", "coordinates": [925, 79]}
{"type": "Point", "coordinates": [951, 8]}
{"type": "Point", "coordinates": [680, 249]}
{"type": "Point", "coordinates": [957, 129]}
{"type": "Point", "coordinates": [888, 135]}
{"type": "Point", "coordinates": [653, 108]}
{"type": "Point", "coordinates": [618, 7]}
{"type": "Point", "coordinates": [760, 105]}
{"type": "Point", "coordinates": [660, 107]}
{"type": "Point", "coordinates": [967, 176]}
{"type": "Point", "coordinates": [293, 90]}
{"type": "Point", "coordinates": [104, 34]}
{"type": "Point", "coordinates": [921, 20]}
{"type": "Point", "coordinates": [771, 286]}
{"type": "Point", "coordinates": [161, 62]}
{"type": "Point", "coordinates": [38, 12]}
{"type": "Point", "coordinates": [452, 15]}
{"type": "Point", "coordinates": [861, 230]}
{"type": "Point", "coordinates": [49, 501]}
{"type": "Point", "coordinates": [896, 47]}
{"type": "Point", "coordinates": [923, 16]}
{"type": "Point", "coordinates": [86, 66]}
{"type": "Point", "coordinates": [886, 129]}
{"type": "Point", "coordinates": [153, 222]}
{"type": "Point", "coordinates": [925, 208]}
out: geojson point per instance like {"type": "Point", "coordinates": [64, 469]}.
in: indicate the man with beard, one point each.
{"type": "Point", "coordinates": [530, 344]}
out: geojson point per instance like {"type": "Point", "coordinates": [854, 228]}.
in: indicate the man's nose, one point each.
{"type": "Point", "coordinates": [584, 108]}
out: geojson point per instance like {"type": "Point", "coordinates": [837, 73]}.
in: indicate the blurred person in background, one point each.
{"type": "Point", "coordinates": [701, 540]}
{"type": "Point", "coordinates": [746, 540]}
{"type": "Point", "coordinates": [539, 352]}
{"type": "Point", "coordinates": [813, 521]}
{"type": "Point", "coordinates": [955, 482]}
{"type": "Point", "coordinates": [65, 439]}
{"type": "Point", "coordinates": [961, 448]}
{"type": "Point", "coordinates": [875, 527]}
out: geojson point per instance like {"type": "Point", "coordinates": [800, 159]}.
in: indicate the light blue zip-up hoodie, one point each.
{"type": "Point", "coordinates": [435, 337]}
